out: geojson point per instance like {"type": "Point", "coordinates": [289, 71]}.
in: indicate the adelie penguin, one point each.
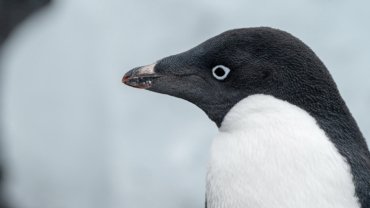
{"type": "Point", "coordinates": [286, 137]}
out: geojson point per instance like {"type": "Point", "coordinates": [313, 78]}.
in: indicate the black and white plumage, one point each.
{"type": "Point", "coordinates": [286, 137]}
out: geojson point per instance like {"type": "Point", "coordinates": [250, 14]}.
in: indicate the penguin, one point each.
{"type": "Point", "coordinates": [286, 137]}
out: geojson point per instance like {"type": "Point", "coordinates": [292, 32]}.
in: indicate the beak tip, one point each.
{"type": "Point", "coordinates": [125, 79]}
{"type": "Point", "coordinates": [140, 77]}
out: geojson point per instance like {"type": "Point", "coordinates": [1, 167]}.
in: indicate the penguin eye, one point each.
{"type": "Point", "coordinates": [220, 72]}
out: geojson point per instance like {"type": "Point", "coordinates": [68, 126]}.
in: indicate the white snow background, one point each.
{"type": "Point", "coordinates": [77, 138]}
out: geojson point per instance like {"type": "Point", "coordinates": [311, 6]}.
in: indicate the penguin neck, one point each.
{"type": "Point", "coordinates": [334, 117]}
{"type": "Point", "coordinates": [267, 152]}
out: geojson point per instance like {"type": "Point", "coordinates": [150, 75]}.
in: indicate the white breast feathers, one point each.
{"type": "Point", "coordinates": [272, 154]}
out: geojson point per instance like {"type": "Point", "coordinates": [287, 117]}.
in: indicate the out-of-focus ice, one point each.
{"type": "Point", "coordinates": [78, 138]}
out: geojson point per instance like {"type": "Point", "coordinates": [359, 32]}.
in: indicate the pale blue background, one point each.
{"type": "Point", "coordinates": [77, 138]}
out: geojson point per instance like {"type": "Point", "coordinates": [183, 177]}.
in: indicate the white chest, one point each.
{"type": "Point", "coordinates": [272, 154]}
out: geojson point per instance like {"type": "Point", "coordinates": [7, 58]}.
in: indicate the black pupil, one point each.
{"type": "Point", "coordinates": [219, 72]}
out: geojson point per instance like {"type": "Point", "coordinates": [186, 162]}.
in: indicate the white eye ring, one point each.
{"type": "Point", "coordinates": [220, 75]}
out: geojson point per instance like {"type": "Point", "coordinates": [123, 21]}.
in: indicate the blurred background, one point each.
{"type": "Point", "coordinates": [72, 136]}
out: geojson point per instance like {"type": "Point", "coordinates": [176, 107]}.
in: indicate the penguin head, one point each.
{"type": "Point", "coordinates": [223, 70]}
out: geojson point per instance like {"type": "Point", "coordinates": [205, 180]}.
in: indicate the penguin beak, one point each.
{"type": "Point", "coordinates": [140, 77]}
